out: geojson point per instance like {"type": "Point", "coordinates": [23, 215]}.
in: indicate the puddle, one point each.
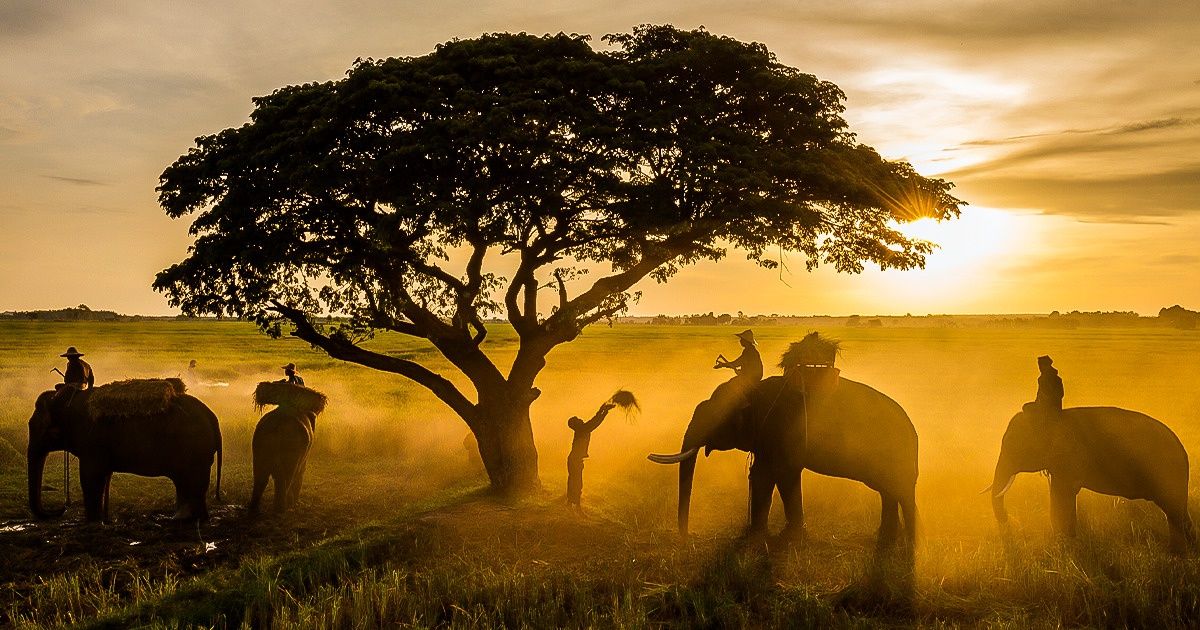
{"type": "Point", "coordinates": [210, 546]}
{"type": "Point", "coordinates": [135, 543]}
{"type": "Point", "coordinates": [14, 527]}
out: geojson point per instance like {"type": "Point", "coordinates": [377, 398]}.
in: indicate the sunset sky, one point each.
{"type": "Point", "coordinates": [1071, 128]}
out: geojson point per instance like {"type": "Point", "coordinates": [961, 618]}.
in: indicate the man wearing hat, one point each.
{"type": "Point", "coordinates": [289, 370]}
{"type": "Point", "coordinates": [749, 364]}
{"type": "Point", "coordinates": [78, 373]}
{"type": "Point", "coordinates": [1049, 392]}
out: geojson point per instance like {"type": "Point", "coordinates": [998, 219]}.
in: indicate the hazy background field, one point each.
{"type": "Point", "coordinates": [385, 446]}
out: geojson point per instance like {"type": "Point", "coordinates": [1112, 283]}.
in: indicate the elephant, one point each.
{"type": "Point", "coordinates": [848, 430]}
{"type": "Point", "coordinates": [175, 437]}
{"type": "Point", "coordinates": [282, 440]}
{"type": "Point", "coordinates": [1104, 449]}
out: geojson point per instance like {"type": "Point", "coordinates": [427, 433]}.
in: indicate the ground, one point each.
{"type": "Point", "coordinates": [395, 527]}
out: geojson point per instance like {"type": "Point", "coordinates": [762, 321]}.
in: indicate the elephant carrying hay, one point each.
{"type": "Point", "coordinates": [282, 440]}
{"type": "Point", "coordinates": [808, 419]}
{"type": "Point", "coordinates": [148, 427]}
{"type": "Point", "coordinates": [1104, 449]}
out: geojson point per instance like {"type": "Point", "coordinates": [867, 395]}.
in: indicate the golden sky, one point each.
{"type": "Point", "coordinates": [1072, 128]}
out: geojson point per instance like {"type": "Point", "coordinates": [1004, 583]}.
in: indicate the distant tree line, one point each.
{"type": "Point", "coordinates": [79, 313]}
{"type": "Point", "coordinates": [711, 319]}
{"type": "Point", "coordinates": [1170, 317]}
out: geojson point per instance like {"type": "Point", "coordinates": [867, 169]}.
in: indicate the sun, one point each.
{"type": "Point", "coordinates": [972, 255]}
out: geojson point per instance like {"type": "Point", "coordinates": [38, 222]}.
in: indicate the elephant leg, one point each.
{"type": "Point", "coordinates": [93, 479]}
{"type": "Point", "coordinates": [889, 519]}
{"type": "Point", "coordinates": [1183, 534]}
{"type": "Point", "coordinates": [762, 486]}
{"type": "Point", "coordinates": [908, 504]}
{"type": "Point", "coordinates": [297, 480]}
{"type": "Point", "coordinates": [791, 490]}
{"type": "Point", "coordinates": [104, 500]}
{"type": "Point", "coordinates": [283, 484]}
{"type": "Point", "coordinates": [261, 477]}
{"type": "Point", "coordinates": [1062, 507]}
{"type": "Point", "coordinates": [199, 496]}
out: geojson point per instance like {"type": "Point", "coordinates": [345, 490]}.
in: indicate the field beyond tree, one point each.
{"type": "Point", "coordinates": [394, 525]}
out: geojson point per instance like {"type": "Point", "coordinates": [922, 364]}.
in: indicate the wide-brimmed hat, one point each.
{"type": "Point", "coordinates": [290, 366]}
{"type": "Point", "coordinates": [71, 352]}
{"type": "Point", "coordinates": [746, 335]}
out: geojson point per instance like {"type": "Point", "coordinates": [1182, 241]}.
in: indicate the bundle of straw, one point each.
{"type": "Point", "coordinates": [134, 397]}
{"type": "Point", "coordinates": [285, 394]}
{"type": "Point", "coordinates": [812, 350]}
{"type": "Point", "coordinates": [628, 403]}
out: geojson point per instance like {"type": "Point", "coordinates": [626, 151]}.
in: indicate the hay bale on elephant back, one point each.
{"type": "Point", "coordinates": [134, 397]}
{"type": "Point", "coordinates": [285, 394]}
{"type": "Point", "coordinates": [813, 350]}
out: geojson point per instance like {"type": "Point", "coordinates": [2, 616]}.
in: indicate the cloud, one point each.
{"type": "Point", "coordinates": [24, 18]}
{"type": "Point", "coordinates": [78, 181]}
{"type": "Point", "coordinates": [1178, 259]}
{"type": "Point", "coordinates": [1156, 124]}
{"type": "Point", "coordinates": [1129, 198]}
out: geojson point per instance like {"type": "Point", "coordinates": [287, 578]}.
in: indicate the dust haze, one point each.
{"type": "Point", "coordinates": [384, 444]}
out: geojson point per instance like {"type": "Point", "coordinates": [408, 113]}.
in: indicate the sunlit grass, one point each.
{"type": "Point", "coordinates": [390, 531]}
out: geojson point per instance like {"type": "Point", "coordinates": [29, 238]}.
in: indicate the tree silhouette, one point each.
{"type": "Point", "coordinates": [391, 196]}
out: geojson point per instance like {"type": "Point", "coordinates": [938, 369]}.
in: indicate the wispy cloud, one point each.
{"type": "Point", "coordinates": [1148, 197]}
{"type": "Point", "coordinates": [78, 181]}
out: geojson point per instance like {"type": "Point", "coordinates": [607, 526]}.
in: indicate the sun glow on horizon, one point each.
{"type": "Point", "coordinates": [972, 255]}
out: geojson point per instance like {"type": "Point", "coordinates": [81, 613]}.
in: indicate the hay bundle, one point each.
{"type": "Point", "coordinates": [134, 397]}
{"type": "Point", "coordinates": [285, 394]}
{"type": "Point", "coordinates": [813, 350]}
{"type": "Point", "coordinates": [628, 403]}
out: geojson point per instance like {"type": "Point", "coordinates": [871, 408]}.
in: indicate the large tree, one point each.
{"type": "Point", "coordinates": [391, 198]}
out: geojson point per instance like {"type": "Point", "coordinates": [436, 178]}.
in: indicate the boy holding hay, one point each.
{"type": "Point", "coordinates": [583, 438]}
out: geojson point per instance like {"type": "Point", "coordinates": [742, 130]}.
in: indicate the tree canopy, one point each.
{"type": "Point", "coordinates": [390, 196]}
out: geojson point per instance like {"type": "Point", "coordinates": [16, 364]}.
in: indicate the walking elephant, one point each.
{"type": "Point", "coordinates": [1104, 449]}
{"type": "Point", "coordinates": [148, 427]}
{"type": "Point", "coordinates": [282, 440]}
{"type": "Point", "coordinates": [847, 430]}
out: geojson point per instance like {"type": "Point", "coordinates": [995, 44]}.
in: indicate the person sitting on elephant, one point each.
{"type": "Point", "coordinates": [1048, 401]}
{"type": "Point", "coordinates": [579, 450]}
{"type": "Point", "coordinates": [293, 378]}
{"type": "Point", "coordinates": [79, 372]}
{"type": "Point", "coordinates": [749, 364]}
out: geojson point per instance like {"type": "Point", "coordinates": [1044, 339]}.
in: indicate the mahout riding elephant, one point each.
{"type": "Point", "coordinates": [1104, 449]}
{"type": "Point", "coordinates": [847, 430]}
{"type": "Point", "coordinates": [147, 427]}
{"type": "Point", "coordinates": [282, 440]}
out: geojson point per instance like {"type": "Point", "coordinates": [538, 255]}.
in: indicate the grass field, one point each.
{"type": "Point", "coordinates": [394, 529]}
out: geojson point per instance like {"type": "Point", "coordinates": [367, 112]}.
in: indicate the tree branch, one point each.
{"type": "Point", "coordinates": [346, 351]}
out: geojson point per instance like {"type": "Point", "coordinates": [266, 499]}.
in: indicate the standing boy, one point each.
{"type": "Point", "coordinates": [579, 450]}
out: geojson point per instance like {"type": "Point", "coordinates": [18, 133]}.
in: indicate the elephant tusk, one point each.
{"type": "Point", "coordinates": [681, 456]}
{"type": "Point", "coordinates": [1008, 485]}
{"type": "Point", "coordinates": [985, 490]}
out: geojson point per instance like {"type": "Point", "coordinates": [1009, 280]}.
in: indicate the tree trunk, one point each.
{"type": "Point", "coordinates": [505, 436]}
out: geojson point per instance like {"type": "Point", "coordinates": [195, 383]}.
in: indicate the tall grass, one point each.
{"type": "Point", "coordinates": [386, 451]}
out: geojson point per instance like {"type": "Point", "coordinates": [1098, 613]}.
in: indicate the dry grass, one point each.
{"type": "Point", "coordinates": [378, 540]}
{"type": "Point", "coordinates": [134, 397]}
{"type": "Point", "coordinates": [288, 395]}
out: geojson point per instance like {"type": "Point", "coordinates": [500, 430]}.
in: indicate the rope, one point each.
{"type": "Point", "coordinates": [67, 477]}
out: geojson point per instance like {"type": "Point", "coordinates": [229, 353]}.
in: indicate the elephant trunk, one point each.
{"type": "Point", "coordinates": [687, 471]}
{"type": "Point", "coordinates": [1001, 482]}
{"type": "Point", "coordinates": [37, 460]}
